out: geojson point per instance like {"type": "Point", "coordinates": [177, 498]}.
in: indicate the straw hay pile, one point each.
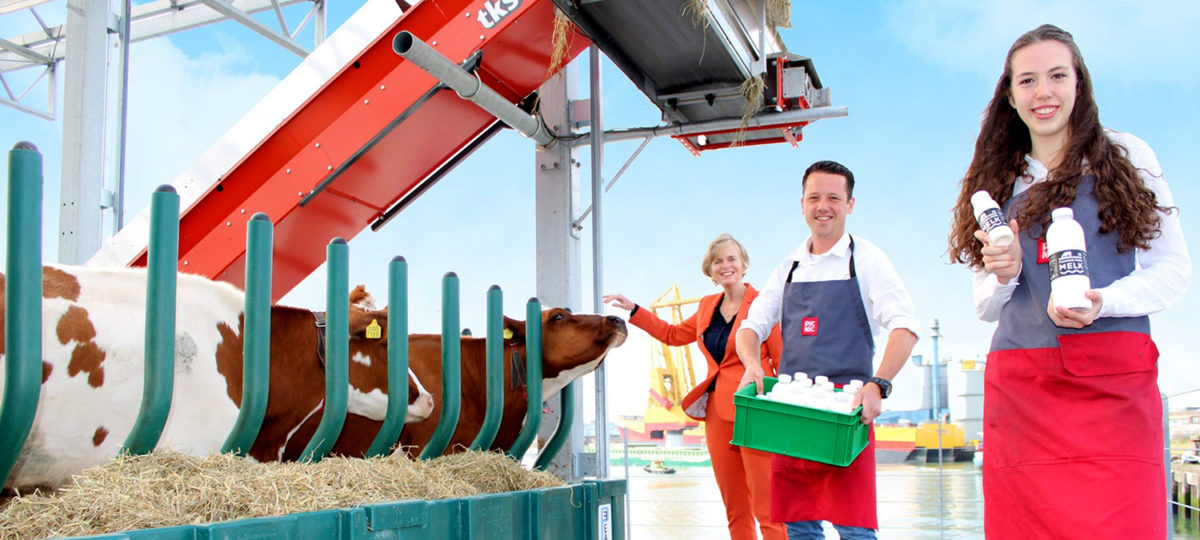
{"type": "Point", "coordinates": [165, 489]}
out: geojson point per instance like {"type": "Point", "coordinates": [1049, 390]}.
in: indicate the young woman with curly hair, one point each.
{"type": "Point", "coordinates": [1071, 400]}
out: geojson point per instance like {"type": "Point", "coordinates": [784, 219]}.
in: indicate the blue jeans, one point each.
{"type": "Point", "coordinates": [811, 530]}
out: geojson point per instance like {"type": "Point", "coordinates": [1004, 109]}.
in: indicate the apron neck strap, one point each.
{"type": "Point", "coordinates": [853, 273]}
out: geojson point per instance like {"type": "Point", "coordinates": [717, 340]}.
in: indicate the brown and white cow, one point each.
{"type": "Point", "coordinates": [92, 346]}
{"type": "Point", "coordinates": [572, 346]}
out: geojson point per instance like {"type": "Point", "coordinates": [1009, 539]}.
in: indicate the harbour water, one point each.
{"type": "Point", "coordinates": [915, 502]}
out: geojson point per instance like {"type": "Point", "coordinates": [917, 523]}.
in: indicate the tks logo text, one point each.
{"type": "Point", "coordinates": [495, 11]}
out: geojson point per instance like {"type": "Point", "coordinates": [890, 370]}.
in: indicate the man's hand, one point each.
{"type": "Point", "coordinates": [754, 375]}
{"type": "Point", "coordinates": [872, 402]}
{"type": "Point", "coordinates": [1004, 262]}
{"type": "Point", "coordinates": [1069, 318]}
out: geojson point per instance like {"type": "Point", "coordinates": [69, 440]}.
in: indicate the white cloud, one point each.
{"type": "Point", "coordinates": [180, 105]}
{"type": "Point", "coordinates": [1152, 41]}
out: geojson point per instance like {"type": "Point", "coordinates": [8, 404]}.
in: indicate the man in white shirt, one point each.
{"type": "Point", "coordinates": [831, 296]}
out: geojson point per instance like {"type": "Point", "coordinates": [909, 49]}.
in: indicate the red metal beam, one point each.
{"type": "Point", "coordinates": [341, 132]}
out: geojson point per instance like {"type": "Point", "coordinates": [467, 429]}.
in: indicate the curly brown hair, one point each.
{"type": "Point", "coordinates": [1126, 204]}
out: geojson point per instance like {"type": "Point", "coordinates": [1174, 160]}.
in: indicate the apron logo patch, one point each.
{"type": "Point", "coordinates": [1043, 252]}
{"type": "Point", "coordinates": [808, 326]}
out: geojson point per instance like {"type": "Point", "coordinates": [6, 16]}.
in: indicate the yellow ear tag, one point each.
{"type": "Point", "coordinates": [373, 330]}
{"type": "Point", "coordinates": [508, 334]}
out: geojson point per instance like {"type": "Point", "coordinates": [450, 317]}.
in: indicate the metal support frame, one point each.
{"type": "Point", "coordinates": [88, 123]}
{"type": "Point", "coordinates": [597, 180]}
{"type": "Point", "coordinates": [558, 248]}
{"type": "Point", "coordinates": [83, 145]}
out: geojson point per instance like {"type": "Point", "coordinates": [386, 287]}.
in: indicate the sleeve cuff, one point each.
{"type": "Point", "coordinates": [634, 310]}
{"type": "Point", "coordinates": [907, 323]}
{"type": "Point", "coordinates": [1112, 303]}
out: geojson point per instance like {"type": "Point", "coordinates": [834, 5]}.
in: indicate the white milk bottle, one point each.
{"type": "Point", "coordinates": [991, 219]}
{"type": "Point", "coordinates": [1068, 261]}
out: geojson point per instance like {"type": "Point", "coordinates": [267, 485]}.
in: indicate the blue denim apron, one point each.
{"type": "Point", "coordinates": [826, 332]}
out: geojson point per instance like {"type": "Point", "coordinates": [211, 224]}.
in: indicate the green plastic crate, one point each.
{"type": "Point", "coordinates": [795, 430]}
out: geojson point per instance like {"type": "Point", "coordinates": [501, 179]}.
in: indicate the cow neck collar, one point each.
{"type": "Point", "coordinates": [320, 315]}
{"type": "Point", "coordinates": [516, 364]}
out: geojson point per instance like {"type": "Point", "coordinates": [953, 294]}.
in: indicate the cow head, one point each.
{"type": "Point", "coordinates": [572, 345]}
{"type": "Point", "coordinates": [368, 364]}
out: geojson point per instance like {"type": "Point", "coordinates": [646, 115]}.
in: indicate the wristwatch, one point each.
{"type": "Point", "coordinates": [885, 386]}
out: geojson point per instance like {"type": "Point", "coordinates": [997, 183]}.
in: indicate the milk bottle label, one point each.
{"type": "Point", "coordinates": [1068, 262]}
{"type": "Point", "coordinates": [990, 219]}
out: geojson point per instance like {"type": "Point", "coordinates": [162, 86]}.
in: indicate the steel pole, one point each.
{"type": "Point", "coordinates": [469, 87]}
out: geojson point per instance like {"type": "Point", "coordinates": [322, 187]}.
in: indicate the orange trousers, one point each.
{"type": "Point", "coordinates": [744, 478]}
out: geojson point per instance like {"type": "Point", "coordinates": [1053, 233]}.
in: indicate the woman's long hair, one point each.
{"type": "Point", "coordinates": [1126, 204]}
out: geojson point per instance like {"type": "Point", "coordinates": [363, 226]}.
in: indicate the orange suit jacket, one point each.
{"type": "Point", "coordinates": [729, 370]}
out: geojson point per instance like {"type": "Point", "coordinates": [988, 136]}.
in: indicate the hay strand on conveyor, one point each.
{"type": "Point", "coordinates": [779, 13]}
{"type": "Point", "coordinates": [558, 42]}
{"type": "Point", "coordinates": [752, 92]}
{"type": "Point", "coordinates": [164, 489]}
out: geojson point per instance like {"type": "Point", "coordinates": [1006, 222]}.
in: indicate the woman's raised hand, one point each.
{"type": "Point", "coordinates": [618, 300]}
{"type": "Point", "coordinates": [1003, 261]}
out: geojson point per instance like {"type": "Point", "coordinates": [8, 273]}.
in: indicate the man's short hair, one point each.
{"type": "Point", "coordinates": [831, 167]}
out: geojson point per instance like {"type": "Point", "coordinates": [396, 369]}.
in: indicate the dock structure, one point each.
{"type": "Point", "coordinates": [1185, 490]}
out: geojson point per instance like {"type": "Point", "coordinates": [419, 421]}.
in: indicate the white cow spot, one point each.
{"type": "Point", "coordinates": [371, 404]}
{"type": "Point", "coordinates": [362, 359]}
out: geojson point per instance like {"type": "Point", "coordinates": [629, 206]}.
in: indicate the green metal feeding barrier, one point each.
{"type": "Point", "coordinates": [451, 370]}
{"type": "Point", "coordinates": [397, 334]}
{"type": "Point", "coordinates": [337, 352]}
{"type": "Point", "coordinates": [533, 370]}
{"type": "Point", "coordinates": [159, 374]}
{"type": "Point", "coordinates": [22, 303]}
{"type": "Point", "coordinates": [603, 508]}
{"type": "Point", "coordinates": [256, 337]}
{"type": "Point", "coordinates": [495, 370]}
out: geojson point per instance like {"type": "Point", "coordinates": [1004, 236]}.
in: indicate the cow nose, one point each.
{"type": "Point", "coordinates": [617, 321]}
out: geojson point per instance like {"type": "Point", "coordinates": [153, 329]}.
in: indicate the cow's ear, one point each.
{"type": "Point", "coordinates": [368, 325]}
{"type": "Point", "coordinates": [362, 299]}
{"type": "Point", "coordinates": [514, 329]}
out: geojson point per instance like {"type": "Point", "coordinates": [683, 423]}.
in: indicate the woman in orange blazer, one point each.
{"type": "Point", "coordinates": [743, 475]}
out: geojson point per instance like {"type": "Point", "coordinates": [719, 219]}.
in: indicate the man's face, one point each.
{"type": "Point", "coordinates": [826, 205]}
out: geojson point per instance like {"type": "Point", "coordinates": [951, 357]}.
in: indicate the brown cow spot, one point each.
{"type": "Point", "coordinates": [75, 326]}
{"type": "Point", "coordinates": [46, 369]}
{"type": "Point", "coordinates": [99, 436]}
{"type": "Point", "coordinates": [229, 361]}
{"type": "Point", "coordinates": [87, 357]}
{"type": "Point", "coordinates": [59, 284]}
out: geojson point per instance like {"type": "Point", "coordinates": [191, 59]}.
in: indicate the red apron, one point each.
{"type": "Point", "coordinates": [826, 332]}
{"type": "Point", "coordinates": [803, 490]}
{"type": "Point", "coordinates": [1073, 439]}
{"type": "Point", "coordinates": [1072, 418]}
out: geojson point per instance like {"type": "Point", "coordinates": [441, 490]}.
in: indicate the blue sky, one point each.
{"type": "Point", "coordinates": [915, 75]}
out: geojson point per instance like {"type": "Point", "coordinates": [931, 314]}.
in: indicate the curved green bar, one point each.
{"type": "Point", "coordinates": [337, 352]}
{"type": "Point", "coordinates": [495, 370]}
{"type": "Point", "coordinates": [256, 337]}
{"type": "Point", "coordinates": [451, 370]}
{"type": "Point", "coordinates": [563, 431]}
{"type": "Point", "coordinates": [533, 374]}
{"type": "Point", "coordinates": [397, 335]}
{"type": "Point", "coordinates": [159, 376]}
{"type": "Point", "coordinates": [22, 303]}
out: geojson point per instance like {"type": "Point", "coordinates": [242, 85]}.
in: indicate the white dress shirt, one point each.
{"type": "Point", "coordinates": [884, 297]}
{"type": "Point", "coordinates": [1162, 273]}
